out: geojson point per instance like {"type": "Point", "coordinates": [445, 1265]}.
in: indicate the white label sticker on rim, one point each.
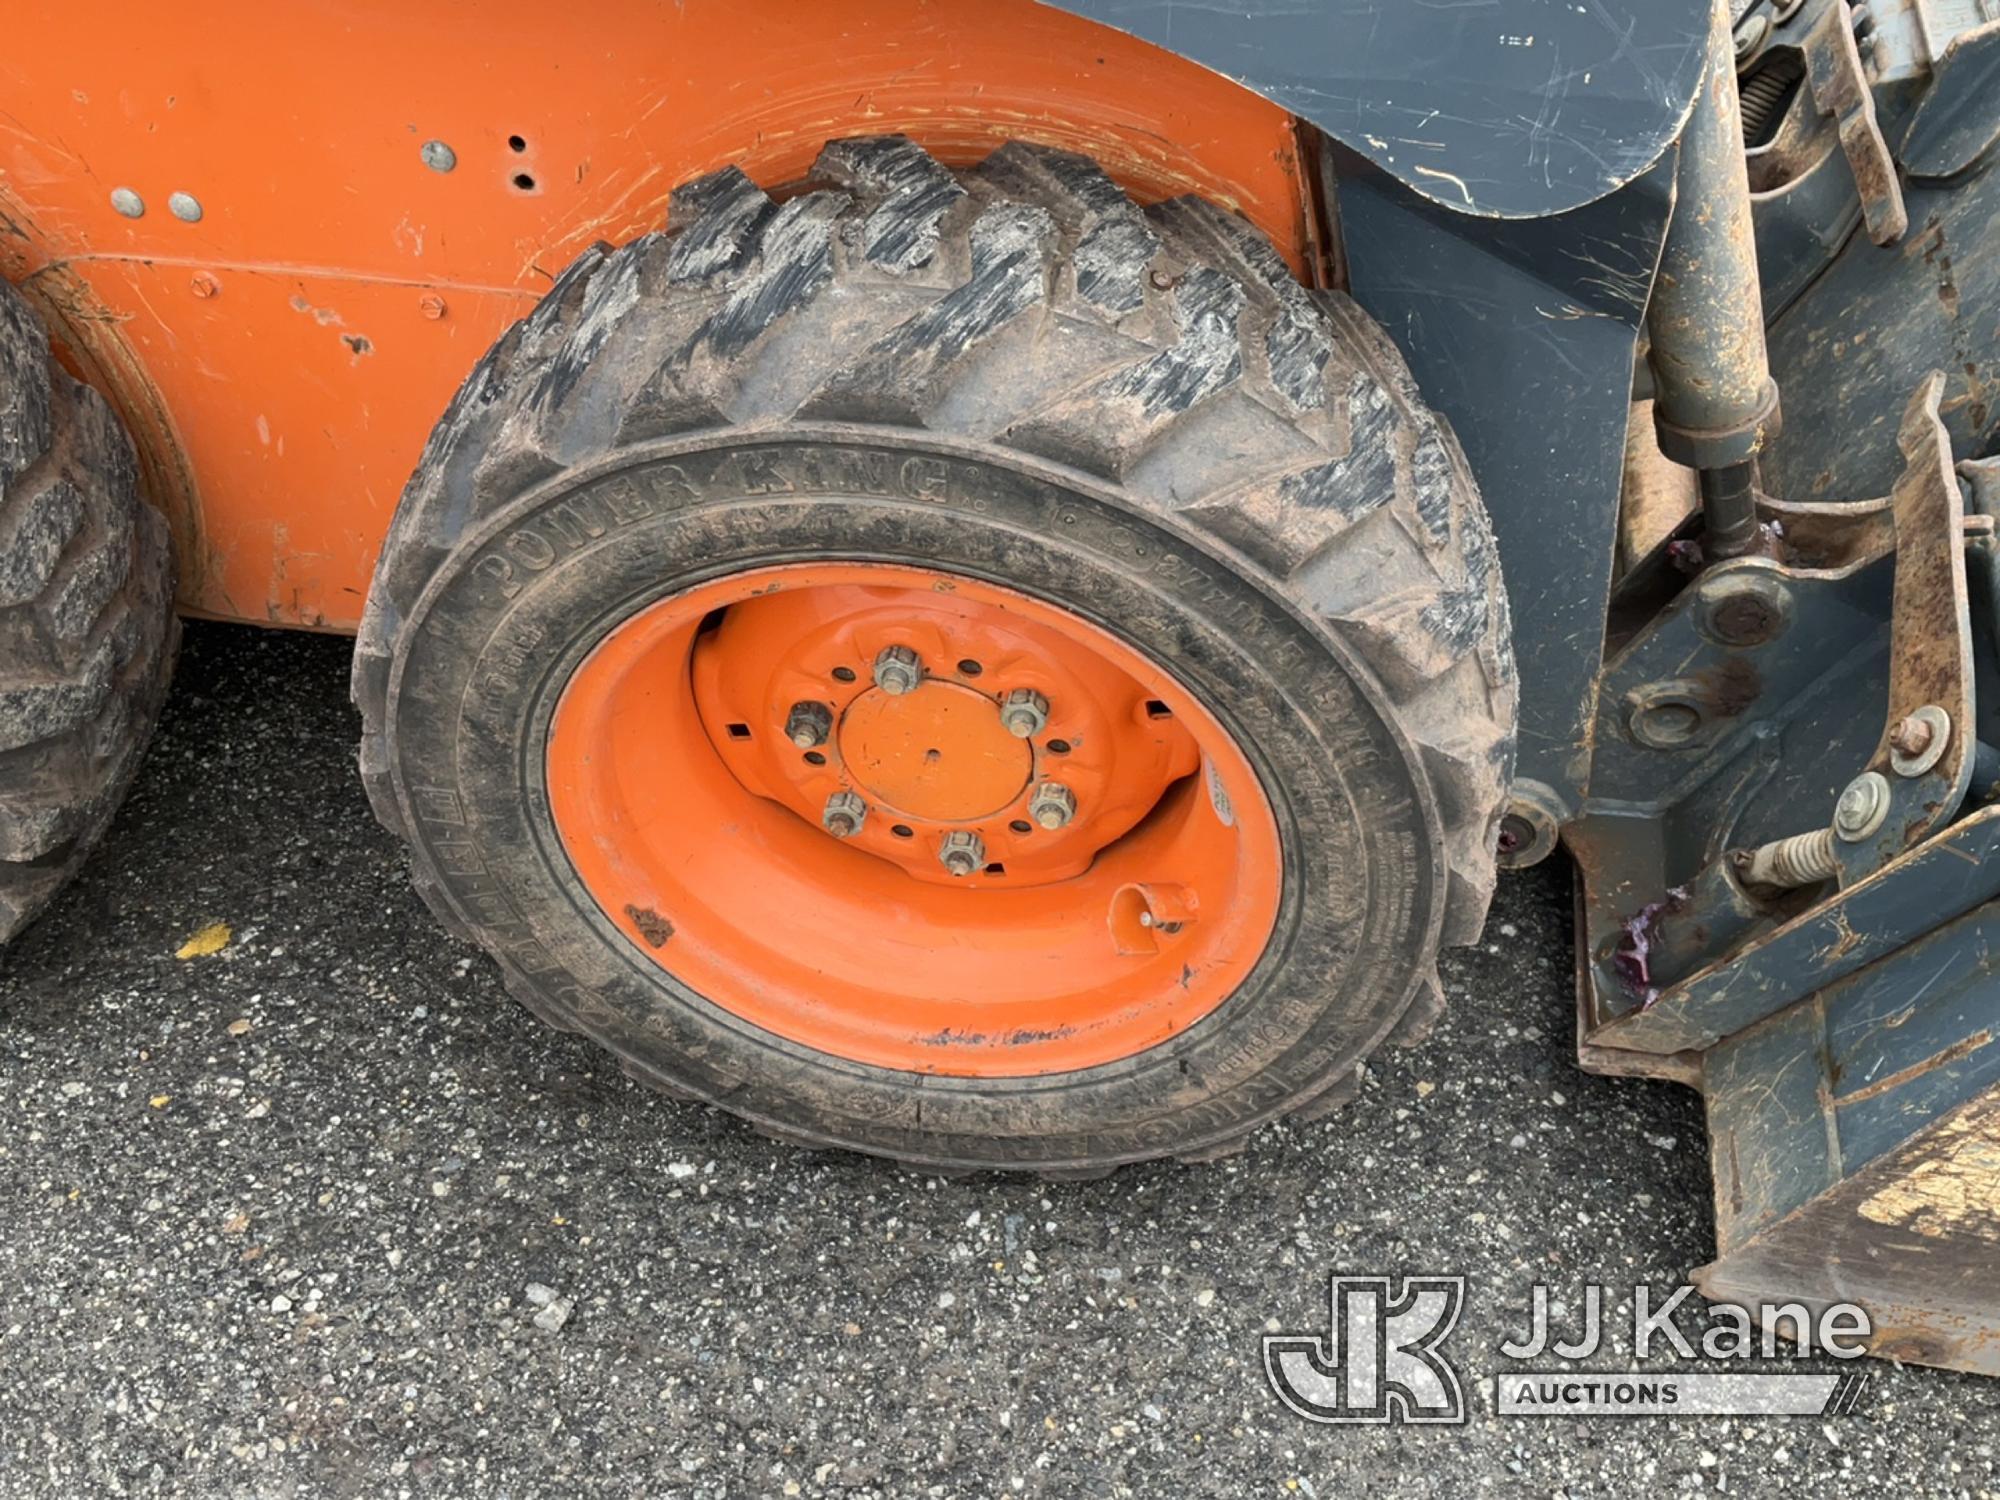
{"type": "Point", "coordinates": [1218, 794]}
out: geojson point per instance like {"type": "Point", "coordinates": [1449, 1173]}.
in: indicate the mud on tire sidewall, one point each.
{"type": "Point", "coordinates": [483, 658]}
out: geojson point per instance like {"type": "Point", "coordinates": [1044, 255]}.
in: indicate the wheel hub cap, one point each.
{"type": "Point", "coordinates": [939, 753]}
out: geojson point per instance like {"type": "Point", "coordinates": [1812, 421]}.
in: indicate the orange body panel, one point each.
{"type": "Point", "coordinates": [281, 359]}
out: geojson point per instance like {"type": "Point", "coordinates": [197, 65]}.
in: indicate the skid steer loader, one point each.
{"type": "Point", "coordinates": [931, 572]}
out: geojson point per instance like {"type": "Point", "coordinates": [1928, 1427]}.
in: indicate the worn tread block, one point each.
{"type": "Point", "coordinates": [904, 190]}
{"type": "Point", "coordinates": [26, 421]}
{"type": "Point", "coordinates": [1111, 422]}
{"type": "Point", "coordinates": [716, 221]}
{"type": "Point", "coordinates": [902, 374]}
{"type": "Point", "coordinates": [31, 830]}
{"type": "Point", "coordinates": [36, 525]}
{"type": "Point", "coordinates": [32, 710]}
{"type": "Point", "coordinates": [1296, 352]}
{"type": "Point", "coordinates": [794, 260]}
{"type": "Point", "coordinates": [1115, 245]}
{"type": "Point", "coordinates": [87, 588]}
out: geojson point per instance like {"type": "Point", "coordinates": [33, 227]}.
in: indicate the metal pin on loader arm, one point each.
{"type": "Point", "coordinates": [1715, 403]}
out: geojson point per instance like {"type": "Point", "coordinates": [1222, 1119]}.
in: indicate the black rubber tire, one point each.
{"type": "Point", "coordinates": [1011, 372]}
{"type": "Point", "coordinates": [87, 631]}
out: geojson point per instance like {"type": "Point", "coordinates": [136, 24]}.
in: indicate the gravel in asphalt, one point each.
{"type": "Point", "coordinates": [324, 1213]}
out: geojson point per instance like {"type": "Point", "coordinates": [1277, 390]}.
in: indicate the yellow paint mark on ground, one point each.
{"type": "Point", "coordinates": [211, 939]}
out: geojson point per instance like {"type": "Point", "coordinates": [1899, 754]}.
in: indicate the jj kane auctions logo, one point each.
{"type": "Point", "coordinates": [1382, 1358]}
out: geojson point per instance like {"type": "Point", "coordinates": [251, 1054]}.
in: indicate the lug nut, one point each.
{"type": "Point", "coordinates": [1052, 806]}
{"type": "Point", "coordinates": [844, 814]}
{"type": "Point", "coordinates": [961, 853]}
{"type": "Point", "coordinates": [1024, 712]}
{"type": "Point", "coordinates": [897, 670]}
{"type": "Point", "coordinates": [808, 725]}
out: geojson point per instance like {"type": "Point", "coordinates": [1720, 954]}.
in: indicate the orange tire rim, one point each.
{"type": "Point", "coordinates": [914, 820]}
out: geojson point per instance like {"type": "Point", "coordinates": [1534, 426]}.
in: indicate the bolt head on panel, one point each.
{"type": "Point", "coordinates": [1862, 807]}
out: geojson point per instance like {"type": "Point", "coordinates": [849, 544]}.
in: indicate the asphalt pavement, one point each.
{"type": "Point", "coordinates": [322, 1212]}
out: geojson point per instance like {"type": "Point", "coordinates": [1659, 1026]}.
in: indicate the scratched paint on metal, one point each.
{"type": "Point", "coordinates": [1508, 108]}
{"type": "Point", "coordinates": [1543, 426]}
{"type": "Point", "coordinates": [1910, 1234]}
{"type": "Point", "coordinates": [1953, 1189]}
{"type": "Point", "coordinates": [1845, 1076]}
{"type": "Point", "coordinates": [1855, 1144]}
{"type": "Point", "coordinates": [1871, 326]}
{"type": "Point", "coordinates": [1955, 871]}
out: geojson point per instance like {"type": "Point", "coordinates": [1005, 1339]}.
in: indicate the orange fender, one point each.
{"type": "Point", "coordinates": [281, 345]}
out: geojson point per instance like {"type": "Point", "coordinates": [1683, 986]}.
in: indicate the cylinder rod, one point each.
{"type": "Point", "coordinates": [1715, 403]}
{"type": "Point", "coordinates": [1729, 510]}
